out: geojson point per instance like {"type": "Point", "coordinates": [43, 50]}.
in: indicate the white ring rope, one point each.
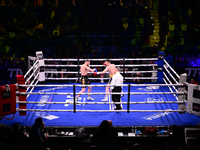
{"type": "Point", "coordinates": [51, 59]}
{"type": "Point", "coordinates": [100, 78]}
{"type": "Point", "coordinates": [65, 110]}
{"type": "Point", "coordinates": [32, 89]}
{"type": "Point", "coordinates": [31, 75]}
{"type": "Point", "coordinates": [142, 65]}
{"type": "Point", "coordinates": [170, 74]}
{"type": "Point", "coordinates": [92, 72]}
{"type": "Point", "coordinates": [171, 90]}
{"type": "Point", "coordinates": [31, 68]}
{"type": "Point", "coordinates": [171, 69]}
{"type": "Point", "coordinates": [102, 85]}
{"type": "Point", "coordinates": [169, 81]}
{"type": "Point", "coordinates": [154, 102]}
{"type": "Point", "coordinates": [32, 82]}
{"type": "Point", "coordinates": [133, 93]}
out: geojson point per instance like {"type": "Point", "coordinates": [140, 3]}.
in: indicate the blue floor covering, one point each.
{"type": "Point", "coordinates": [95, 118]}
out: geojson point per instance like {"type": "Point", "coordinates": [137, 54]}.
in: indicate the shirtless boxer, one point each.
{"type": "Point", "coordinates": [112, 70]}
{"type": "Point", "coordinates": [85, 79]}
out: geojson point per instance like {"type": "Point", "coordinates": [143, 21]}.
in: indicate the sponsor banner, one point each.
{"type": "Point", "coordinates": [192, 71]}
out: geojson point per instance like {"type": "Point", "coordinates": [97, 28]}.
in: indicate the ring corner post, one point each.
{"type": "Point", "coordinates": [74, 93]}
{"type": "Point", "coordinates": [128, 103]}
{"type": "Point", "coordinates": [40, 58]}
{"type": "Point", "coordinates": [181, 98]}
{"type": "Point", "coordinates": [161, 56]}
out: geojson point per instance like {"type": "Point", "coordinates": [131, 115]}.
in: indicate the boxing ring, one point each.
{"type": "Point", "coordinates": [161, 103]}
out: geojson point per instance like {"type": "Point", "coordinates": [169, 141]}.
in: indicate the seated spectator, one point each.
{"type": "Point", "coordinates": [198, 61]}
{"type": "Point", "coordinates": [2, 31]}
{"type": "Point", "coordinates": [136, 146]}
{"type": "Point", "coordinates": [192, 81]}
{"type": "Point", "coordinates": [14, 63]}
{"type": "Point", "coordinates": [39, 28]}
{"type": "Point", "coordinates": [30, 31]}
{"type": "Point", "coordinates": [125, 26]}
{"type": "Point", "coordinates": [171, 18]}
{"type": "Point", "coordinates": [183, 62]}
{"type": "Point", "coordinates": [176, 38]}
{"type": "Point", "coordinates": [52, 14]}
{"type": "Point", "coordinates": [16, 139]}
{"type": "Point", "coordinates": [56, 32]}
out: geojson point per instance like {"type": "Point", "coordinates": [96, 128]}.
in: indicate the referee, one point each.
{"type": "Point", "coordinates": [116, 80]}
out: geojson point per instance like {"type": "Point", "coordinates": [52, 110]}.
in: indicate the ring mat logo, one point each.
{"type": "Point", "coordinates": [46, 115]}
{"type": "Point", "coordinates": [157, 115]}
{"type": "Point", "coordinates": [71, 99]}
{"type": "Point", "coordinates": [150, 99]}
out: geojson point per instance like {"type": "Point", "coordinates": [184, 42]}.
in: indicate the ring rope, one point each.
{"type": "Point", "coordinates": [32, 82]}
{"type": "Point", "coordinates": [31, 68]}
{"type": "Point", "coordinates": [169, 81]}
{"type": "Point", "coordinates": [143, 65]}
{"type": "Point", "coordinates": [51, 59]}
{"type": "Point", "coordinates": [171, 90]}
{"type": "Point", "coordinates": [92, 72]}
{"type": "Point", "coordinates": [133, 93]}
{"type": "Point", "coordinates": [171, 69]}
{"type": "Point", "coordinates": [31, 75]}
{"type": "Point", "coordinates": [170, 74]}
{"type": "Point", "coordinates": [129, 78]}
{"type": "Point", "coordinates": [32, 89]}
{"type": "Point", "coordinates": [65, 110]}
{"type": "Point", "coordinates": [102, 85]}
{"type": "Point", "coordinates": [155, 102]}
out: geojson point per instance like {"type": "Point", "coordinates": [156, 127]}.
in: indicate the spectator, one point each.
{"type": "Point", "coordinates": [125, 26]}
{"type": "Point", "coordinates": [183, 62]}
{"type": "Point", "coordinates": [2, 31]}
{"type": "Point", "coordinates": [192, 81]}
{"type": "Point", "coordinates": [16, 139]}
{"type": "Point", "coordinates": [176, 139]}
{"type": "Point", "coordinates": [44, 137]}
{"type": "Point", "coordinates": [94, 49]}
{"type": "Point", "coordinates": [14, 63]}
{"type": "Point", "coordinates": [176, 38]}
{"type": "Point", "coordinates": [136, 146]}
{"type": "Point", "coordinates": [53, 13]}
{"type": "Point", "coordinates": [171, 18]}
{"type": "Point", "coordinates": [198, 61]}
{"type": "Point", "coordinates": [86, 46]}
{"type": "Point", "coordinates": [35, 135]}
{"type": "Point", "coordinates": [17, 26]}
{"type": "Point", "coordinates": [105, 137]}
{"type": "Point", "coordinates": [56, 32]}
{"type": "Point", "coordinates": [20, 63]}
{"type": "Point", "coordinates": [30, 31]}
{"type": "Point", "coordinates": [177, 64]}
{"type": "Point", "coordinates": [9, 26]}
{"type": "Point", "coordinates": [39, 28]}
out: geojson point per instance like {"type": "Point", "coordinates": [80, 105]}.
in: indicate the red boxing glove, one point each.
{"type": "Point", "coordinates": [95, 73]}
{"type": "Point", "coordinates": [104, 64]}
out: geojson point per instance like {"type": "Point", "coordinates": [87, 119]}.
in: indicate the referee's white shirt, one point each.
{"type": "Point", "coordinates": [116, 79]}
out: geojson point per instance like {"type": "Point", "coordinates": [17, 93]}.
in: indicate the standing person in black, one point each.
{"type": "Point", "coordinates": [105, 137]}
{"type": "Point", "coordinates": [16, 139]}
{"type": "Point", "coordinates": [36, 140]}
